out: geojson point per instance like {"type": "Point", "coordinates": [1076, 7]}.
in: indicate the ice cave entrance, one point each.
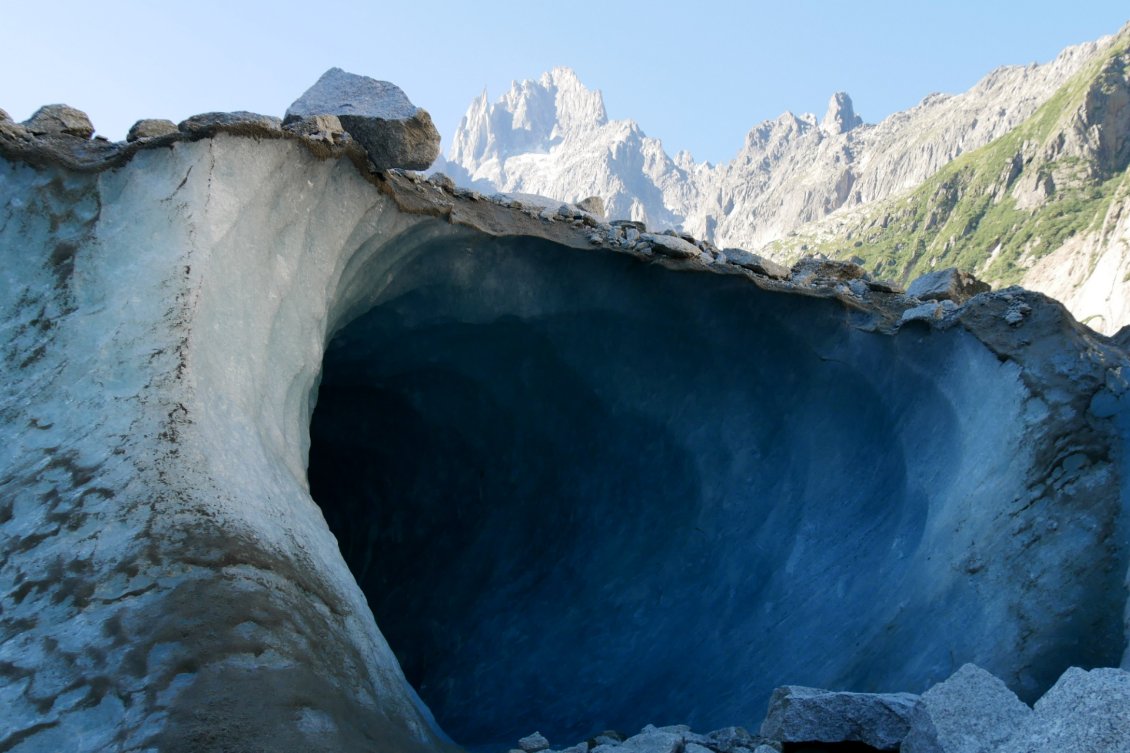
{"type": "Point", "coordinates": [581, 492]}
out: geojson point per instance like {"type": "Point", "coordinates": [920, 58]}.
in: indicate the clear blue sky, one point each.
{"type": "Point", "coordinates": [696, 75]}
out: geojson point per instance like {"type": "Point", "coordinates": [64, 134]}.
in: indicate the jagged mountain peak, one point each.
{"type": "Point", "coordinates": [551, 136]}
{"type": "Point", "coordinates": [840, 117]}
{"type": "Point", "coordinates": [534, 115]}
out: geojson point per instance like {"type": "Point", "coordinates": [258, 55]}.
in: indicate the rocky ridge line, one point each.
{"type": "Point", "coordinates": [552, 137]}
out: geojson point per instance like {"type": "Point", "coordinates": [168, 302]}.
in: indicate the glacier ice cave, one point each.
{"type": "Point", "coordinates": [584, 493]}
{"type": "Point", "coordinates": [574, 485]}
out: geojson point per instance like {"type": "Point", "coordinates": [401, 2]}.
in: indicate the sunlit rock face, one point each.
{"type": "Point", "coordinates": [580, 484]}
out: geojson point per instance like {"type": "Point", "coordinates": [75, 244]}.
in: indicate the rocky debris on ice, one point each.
{"type": "Point", "coordinates": [949, 284]}
{"type": "Point", "coordinates": [151, 128]}
{"type": "Point", "coordinates": [377, 114]}
{"type": "Point", "coordinates": [676, 738]}
{"type": "Point", "coordinates": [326, 136]}
{"type": "Point", "coordinates": [59, 120]}
{"type": "Point", "coordinates": [798, 715]}
{"type": "Point", "coordinates": [971, 712]}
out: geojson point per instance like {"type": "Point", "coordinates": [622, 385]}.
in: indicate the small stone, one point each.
{"type": "Point", "coordinates": [755, 263]}
{"type": "Point", "coordinates": [728, 738]}
{"type": "Point", "coordinates": [578, 748]}
{"type": "Point", "coordinates": [608, 737]}
{"type": "Point", "coordinates": [377, 114]}
{"type": "Point", "coordinates": [151, 128]}
{"type": "Point", "coordinates": [55, 120]}
{"type": "Point", "coordinates": [800, 714]}
{"type": "Point", "coordinates": [323, 127]}
{"type": "Point", "coordinates": [630, 223]}
{"type": "Point", "coordinates": [439, 180]}
{"type": "Point", "coordinates": [533, 743]}
{"type": "Point", "coordinates": [947, 285]}
{"type": "Point", "coordinates": [884, 286]}
{"type": "Point", "coordinates": [653, 740]}
{"type": "Point", "coordinates": [593, 205]}
{"type": "Point", "coordinates": [233, 121]}
{"type": "Point", "coordinates": [971, 712]}
{"type": "Point", "coordinates": [673, 247]}
{"type": "Point", "coordinates": [926, 312]}
{"type": "Point", "coordinates": [818, 268]}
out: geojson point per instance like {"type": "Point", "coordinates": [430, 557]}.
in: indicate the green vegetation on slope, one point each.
{"type": "Point", "coordinates": [997, 210]}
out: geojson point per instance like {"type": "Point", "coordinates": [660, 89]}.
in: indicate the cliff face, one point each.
{"type": "Point", "coordinates": [1045, 205]}
{"type": "Point", "coordinates": [571, 467]}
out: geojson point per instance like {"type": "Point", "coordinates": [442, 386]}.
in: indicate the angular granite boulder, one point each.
{"type": "Point", "coordinates": [56, 120]}
{"type": "Point", "coordinates": [808, 715]}
{"type": "Point", "coordinates": [393, 131]}
{"type": "Point", "coordinates": [971, 712]}
{"type": "Point", "coordinates": [1085, 712]}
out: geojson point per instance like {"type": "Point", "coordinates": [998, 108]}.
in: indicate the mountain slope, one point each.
{"type": "Point", "coordinates": [1047, 205]}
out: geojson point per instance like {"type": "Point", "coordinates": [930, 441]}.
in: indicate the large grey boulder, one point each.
{"type": "Point", "coordinates": [807, 715]}
{"type": "Point", "coordinates": [4, 116]}
{"type": "Point", "coordinates": [1084, 712]}
{"type": "Point", "coordinates": [947, 285]}
{"type": "Point", "coordinates": [971, 712]}
{"type": "Point", "coordinates": [56, 120]}
{"type": "Point", "coordinates": [377, 114]}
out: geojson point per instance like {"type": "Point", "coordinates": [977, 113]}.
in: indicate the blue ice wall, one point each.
{"type": "Point", "coordinates": [581, 492]}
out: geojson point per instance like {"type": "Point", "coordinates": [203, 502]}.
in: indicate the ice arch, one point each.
{"type": "Point", "coordinates": [167, 579]}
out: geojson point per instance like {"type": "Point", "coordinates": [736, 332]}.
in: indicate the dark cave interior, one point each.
{"type": "Point", "coordinates": [583, 495]}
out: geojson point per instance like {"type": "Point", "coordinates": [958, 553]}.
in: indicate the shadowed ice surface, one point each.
{"type": "Point", "coordinates": [583, 493]}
